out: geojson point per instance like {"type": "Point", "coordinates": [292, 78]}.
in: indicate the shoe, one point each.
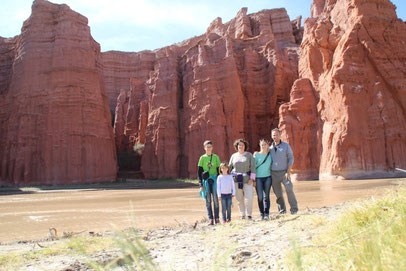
{"type": "Point", "coordinates": [266, 217]}
{"type": "Point", "coordinates": [249, 217]}
{"type": "Point", "coordinates": [243, 217]}
{"type": "Point", "coordinates": [294, 212]}
{"type": "Point", "coordinates": [228, 220]}
{"type": "Point", "coordinates": [217, 221]}
{"type": "Point", "coordinates": [262, 217]}
{"type": "Point", "coordinates": [224, 221]}
{"type": "Point", "coordinates": [211, 222]}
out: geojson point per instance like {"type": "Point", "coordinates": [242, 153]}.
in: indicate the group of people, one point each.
{"type": "Point", "coordinates": [270, 167]}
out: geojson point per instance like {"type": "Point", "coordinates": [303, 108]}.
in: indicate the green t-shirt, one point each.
{"type": "Point", "coordinates": [205, 160]}
{"type": "Point", "coordinates": [263, 170]}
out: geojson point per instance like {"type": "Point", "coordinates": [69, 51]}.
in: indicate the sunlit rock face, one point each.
{"type": "Point", "coordinates": [336, 88]}
{"type": "Point", "coordinates": [347, 115]}
{"type": "Point", "coordinates": [55, 122]}
{"type": "Point", "coordinates": [225, 84]}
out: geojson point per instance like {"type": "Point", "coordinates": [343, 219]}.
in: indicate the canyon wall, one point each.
{"type": "Point", "coordinates": [347, 113]}
{"type": "Point", "coordinates": [225, 84]}
{"type": "Point", "coordinates": [55, 123]}
{"type": "Point", "coordinates": [336, 88]}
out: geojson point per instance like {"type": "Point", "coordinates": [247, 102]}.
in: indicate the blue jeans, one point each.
{"type": "Point", "coordinates": [226, 200]}
{"type": "Point", "coordinates": [263, 187]}
{"type": "Point", "coordinates": [212, 193]}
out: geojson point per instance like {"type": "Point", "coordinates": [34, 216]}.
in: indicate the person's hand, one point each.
{"type": "Point", "coordinates": [201, 188]}
{"type": "Point", "coordinates": [287, 176]}
{"type": "Point", "coordinates": [251, 181]}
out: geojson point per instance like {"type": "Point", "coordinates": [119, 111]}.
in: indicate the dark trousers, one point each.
{"type": "Point", "coordinates": [212, 194]}
{"type": "Point", "coordinates": [263, 187]}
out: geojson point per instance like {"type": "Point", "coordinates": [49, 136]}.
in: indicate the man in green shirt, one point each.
{"type": "Point", "coordinates": [207, 171]}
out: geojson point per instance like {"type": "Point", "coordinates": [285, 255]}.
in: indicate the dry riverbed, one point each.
{"type": "Point", "coordinates": [239, 245]}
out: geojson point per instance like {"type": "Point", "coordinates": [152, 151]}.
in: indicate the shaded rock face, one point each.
{"type": "Point", "coordinates": [120, 67]}
{"type": "Point", "coordinates": [55, 123]}
{"type": "Point", "coordinates": [225, 84]}
{"type": "Point", "coordinates": [299, 123]}
{"type": "Point", "coordinates": [354, 99]}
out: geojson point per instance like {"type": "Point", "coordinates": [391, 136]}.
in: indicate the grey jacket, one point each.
{"type": "Point", "coordinates": [282, 156]}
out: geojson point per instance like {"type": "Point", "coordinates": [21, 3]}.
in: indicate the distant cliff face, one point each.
{"type": "Point", "coordinates": [55, 125]}
{"type": "Point", "coordinates": [225, 84]}
{"type": "Point", "coordinates": [339, 97]}
{"type": "Point", "coordinates": [347, 114]}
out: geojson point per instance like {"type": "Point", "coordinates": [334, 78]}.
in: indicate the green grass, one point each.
{"type": "Point", "coordinates": [370, 236]}
{"type": "Point", "coordinates": [75, 246]}
{"type": "Point", "coordinates": [134, 254]}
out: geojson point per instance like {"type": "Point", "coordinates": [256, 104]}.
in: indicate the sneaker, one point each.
{"type": "Point", "coordinates": [217, 221]}
{"type": "Point", "coordinates": [243, 217]}
{"type": "Point", "coordinates": [266, 217]}
{"type": "Point", "coordinates": [249, 217]}
{"type": "Point", "coordinates": [224, 221]}
{"type": "Point", "coordinates": [228, 220]}
{"type": "Point", "coordinates": [211, 222]}
{"type": "Point", "coordinates": [262, 217]}
{"type": "Point", "coordinates": [294, 212]}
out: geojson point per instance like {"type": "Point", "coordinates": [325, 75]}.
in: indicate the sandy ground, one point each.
{"type": "Point", "coordinates": [179, 238]}
{"type": "Point", "coordinates": [239, 245]}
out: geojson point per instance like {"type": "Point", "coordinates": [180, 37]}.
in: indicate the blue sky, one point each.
{"type": "Point", "coordinates": [136, 25]}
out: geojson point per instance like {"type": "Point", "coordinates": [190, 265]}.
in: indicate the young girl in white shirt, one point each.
{"type": "Point", "coordinates": [225, 191]}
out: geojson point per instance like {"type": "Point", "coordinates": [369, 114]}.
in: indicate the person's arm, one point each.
{"type": "Point", "coordinates": [252, 168]}
{"type": "Point", "coordinates": [218, 165]}
{"type": "Point", "coordinates": [233, 187]}
{"type": "Point", "coordinates": [199, 175]}
{"type": "Point", "coordinates": [219, 186]}
{"type": "Point", "coordinates": [290, 161]}
{"type": "Point", "coordinates": [230, 163]}
{"type": "Point", "coordinates": [200, 171]}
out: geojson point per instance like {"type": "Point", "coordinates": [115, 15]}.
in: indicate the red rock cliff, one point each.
{"type": "Point", "coordinates": [351, 115]}
{"type": "Point", "coordinates": [225, 84]}
{"type": "Point", "coordinates": [55, 121]}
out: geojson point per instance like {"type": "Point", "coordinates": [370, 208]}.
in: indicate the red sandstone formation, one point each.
{"type": "Point", "coordinates": [353, 67]}
{"type": "Point", "coordinates": [225, 84]}
{"type": "Point", "coordinates": [120, 67]}
{"type": "Point", "coordinates": [345, 117]}
{"type": "Point", "coordinates": [55, 124]}
{"type": "Point", "coordinates": [299, 123]}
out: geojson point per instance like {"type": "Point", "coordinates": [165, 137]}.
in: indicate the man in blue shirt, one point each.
{"type": "Point", "coordinates": [282, 161]}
